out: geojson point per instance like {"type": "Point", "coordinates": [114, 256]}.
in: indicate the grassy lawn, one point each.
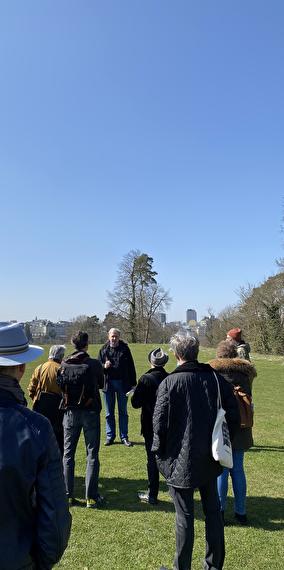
{"type": "Point", "coordinates": [127, 535]}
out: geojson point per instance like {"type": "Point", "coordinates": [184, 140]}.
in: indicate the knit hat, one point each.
{"type": "Point", "coordinates": [158, 357]}
{"type": "Point", "coordinates": [235, 334]}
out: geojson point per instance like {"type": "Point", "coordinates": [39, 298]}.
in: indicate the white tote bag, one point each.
{"type": "Point", "coordinates": [221, 443]}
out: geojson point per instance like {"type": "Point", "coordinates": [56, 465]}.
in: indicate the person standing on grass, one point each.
{"type": "Point", "coordinates": [45, 392]}
{"type": "Point", "coordinates": [183, 422]}
{"type": "Point", "coordinates": [144, 397]}
{"type": "Point", "coordinates": [238, 372]}
{"type": "Point", "coordinates": [120, 378]}
{"type": "Point", "coordinates": [80, 378]}
{"type": "Point", "coordinates": [34, 516]}
{"type": "Point", "coordinates": [243, 347]}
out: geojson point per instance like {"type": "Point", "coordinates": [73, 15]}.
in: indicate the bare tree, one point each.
{"type": "Point", "coordinates": [137, 296]}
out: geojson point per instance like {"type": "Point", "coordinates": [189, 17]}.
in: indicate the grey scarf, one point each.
{"type": "Point", "coordinates": [12, 385]}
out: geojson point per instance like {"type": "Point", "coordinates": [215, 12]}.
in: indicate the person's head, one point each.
{"type": "Point", "coordinates": [15, 350]}
{"type": "Point", "coordinates": [235, 334]}
{"type": "Point", "coordinates": [185, 347]}
{"type": "Point", "coordinates": [157, 357]}
{"type": "Point", "coordinates": [226, 349]}
{"type": "Point", "coordinates": [114, 336]}
{"type": "Point", "coordinates": [56, 352]}
{"type": "Point", "coordinates": [80, 340]}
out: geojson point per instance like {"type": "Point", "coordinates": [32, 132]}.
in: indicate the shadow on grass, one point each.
{"type": "Point", "coordinates": [263, 513]}
{"type": "Point", "coordinates": [266, 448]}
{"type": "Point", "coordinates": [121, 494]}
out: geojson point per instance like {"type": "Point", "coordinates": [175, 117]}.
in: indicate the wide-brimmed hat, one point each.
{"type": "Point", "coordinates": [14, 346]}
{"type": "Point", "coordinates": [158, 357]}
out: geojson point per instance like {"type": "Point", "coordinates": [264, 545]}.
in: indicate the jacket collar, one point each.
{"type": "Point", "coordinates": [191, 367]}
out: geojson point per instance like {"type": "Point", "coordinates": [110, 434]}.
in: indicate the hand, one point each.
{"type": "Point", "coordinates": [107, 364]}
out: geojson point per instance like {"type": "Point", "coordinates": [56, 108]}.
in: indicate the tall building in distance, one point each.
{"type": "Point", "coordinates": [191, 315]}
{"type": "Point", "coordinates": [162, 318]}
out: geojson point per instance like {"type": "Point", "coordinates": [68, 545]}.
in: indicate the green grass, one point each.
{"type": "Point", "coordinates": [127, 535]}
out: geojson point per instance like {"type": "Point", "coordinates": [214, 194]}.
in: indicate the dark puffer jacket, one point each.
{"type": "Point", "coordinates": [122, 365]}
{"type": "Point", "coordinates": [34, 516]}
{"type": "Point", "coordinates": [238, 372]}
{"type": "Point", "coordinates": [183, 421]}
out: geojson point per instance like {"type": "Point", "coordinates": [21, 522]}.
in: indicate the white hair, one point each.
{"type": "Point", "coordinates": [185, 346]}
{"type": "Point", "coordinates": [113, 330]}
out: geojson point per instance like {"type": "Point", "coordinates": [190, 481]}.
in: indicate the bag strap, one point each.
{"type": "Point", "coordinates": [219, 401]}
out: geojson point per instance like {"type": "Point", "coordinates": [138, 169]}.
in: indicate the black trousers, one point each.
{"type": "Point", "coordinates": [152, 469]}
{"type": "Point", "coordinates": [214, 527]}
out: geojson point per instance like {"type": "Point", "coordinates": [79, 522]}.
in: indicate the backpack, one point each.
{"type": "Point", "coordinates": [245, 407]}
{"type": "Point", "coordinates": [76, 383]}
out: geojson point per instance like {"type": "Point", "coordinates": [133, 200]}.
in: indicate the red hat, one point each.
{"type": "Point", "coordinates": [235, 334]}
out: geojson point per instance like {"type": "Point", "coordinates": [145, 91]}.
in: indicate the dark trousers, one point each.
{"type": "Point", "coordinates": [214, 527]}
{"type": "Point", "coordinates": [152, 469]}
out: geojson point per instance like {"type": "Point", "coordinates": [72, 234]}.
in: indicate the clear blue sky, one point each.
{"type": "Point", "coordinates": [152, 125]}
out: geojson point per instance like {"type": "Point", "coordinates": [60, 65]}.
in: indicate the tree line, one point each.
{"type": "Point", "coordinates": [137, 299]}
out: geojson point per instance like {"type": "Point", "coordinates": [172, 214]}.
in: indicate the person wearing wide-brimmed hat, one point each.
{"type": "Point", "coordinates": [144, 397]}
{"type": "Point", "coordinates": [34, 516]}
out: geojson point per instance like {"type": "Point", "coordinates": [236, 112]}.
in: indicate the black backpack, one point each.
{"type": "Point", "coordinates": [76, 383]}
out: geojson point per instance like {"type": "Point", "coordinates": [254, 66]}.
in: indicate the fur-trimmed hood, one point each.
{"type": "Point", "coordinates": [231, 365]}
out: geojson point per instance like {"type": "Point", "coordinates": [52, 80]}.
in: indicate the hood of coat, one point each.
{"type": "Point", "coordinates": [230, 366]}
{"type": "Point", "coordinates": [77, 357]}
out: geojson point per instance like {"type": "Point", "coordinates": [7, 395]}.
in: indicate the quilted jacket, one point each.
{"type": "Point", "coordinates": [34, 516]}
{"type": "Point", "coordinates": [183, 421]}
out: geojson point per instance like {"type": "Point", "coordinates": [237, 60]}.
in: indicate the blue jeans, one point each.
{"type": "Point", "coordinates": [238, 481]}
{"type": "Point", "coordinates": [115, 389]}
{"type": "Point", "coordinates": [73, 423]}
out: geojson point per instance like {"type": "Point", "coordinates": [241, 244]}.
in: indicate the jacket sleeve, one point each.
{"type": "Point", "coordinates": [160, 419]}
{"type": "Point", "coordinates": [33, 385]}
{"type": "Point", "coordinates": [131, 368]}
{"type": "Point", "coordinates": [138, 398]}
{"type": "Point", "coordinates": [230, 405]}
{"type": "Point", "coordinates": [53, 518]}
{"type": "Point", "coordinates": [100, 375]}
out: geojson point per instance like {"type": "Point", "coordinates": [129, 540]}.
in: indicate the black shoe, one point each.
{"type": "Point", "coordinates": [126, 442]}
{"type": "Point", "coordinates": [109, 441]}
{"type": "Point", "coordinates": [95, 503]}
{"type": "Point", "coordinates": [73, 502]}
{"type": "Point", "coordinates": [145, 498]}
{"type": "Point", "coordinates": [242, 519]}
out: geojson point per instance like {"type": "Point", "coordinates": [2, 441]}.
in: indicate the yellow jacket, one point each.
{"type": "Point", "coordinates": [44, 379]}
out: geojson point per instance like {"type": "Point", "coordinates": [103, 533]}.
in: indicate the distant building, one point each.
{"type": "Point", "coordinates": [62, 329]}
{"type": "Point", "coordinates": [42, 328]}
{"type": "Point", "coordinates": [162, 318]}
{"type": "Point", "coordinates": [191, 315]}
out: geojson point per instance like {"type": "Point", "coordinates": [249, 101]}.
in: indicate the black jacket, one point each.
{"type": "Point", "coordinates": [183, 421]}
{"type": "Point", "coordinates": [82, 357]}
{"type": "Point", "coordinates": [238, 372]}
{"type": "Point", "coordinates": [122, 365]}
{"type": "Point", "coordinates": [34, 516]}
{"type": "Point", "coordinates": [145, 396]}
